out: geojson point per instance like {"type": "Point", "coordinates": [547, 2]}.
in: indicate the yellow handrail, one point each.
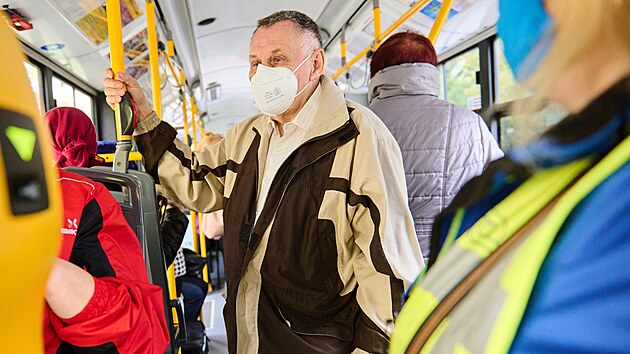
{"type": "Point", "coordinates": [193, 215]}
{"type": "Point", "coordinates": [441, 18]}
{"type": "Point", "coordinates": [196, 117]}
{"type": "Point", "coordinates": [377, 24]}
{"type": "Point", "coordinates": [154, 58]}
{"type": "Point", "coordinates": [114, 28]}
{"type": "Point", "coordinates": [203, 131]}
{"type": "Point", "coordinates": [172, 69]}
{"type": "Point", "coordinates": [412, 10]}
{"type": "Point", "coordinates": [133, 156]}
{"type": "Point", "coordinates": [202, 237]}
{"type": "Point", "coordinates": [193, 128]}
{"type": "Point", "coordinates": [170, 48]}
{"type": "Point", "coordinates": [184, 109]}
{"type": "Point", "coordinates": [203, 250]}
{"type": "Point", "coordinates": [351, 62]}
{"type": "Point", "coordinates": [343, 47]}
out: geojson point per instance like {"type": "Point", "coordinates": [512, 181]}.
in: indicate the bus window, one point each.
{"type": "Point", "coordinates": [63, 93]}
{"type": "Point", "coordinates": [508, 87]}
{"type": "Point", "coordinates": [83, 102]}
{"type": "Point", "coordinates": [66, 95]}
{"type": "Point", "coordinates": [34, 76]}
{"type": "Point", "coordinates": [461, 80]}
{"type": "Point", "coordinates": [520, 129]}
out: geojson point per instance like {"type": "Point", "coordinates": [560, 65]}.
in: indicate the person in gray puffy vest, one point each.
{"type": "Point", "coordinates": [443, 145]}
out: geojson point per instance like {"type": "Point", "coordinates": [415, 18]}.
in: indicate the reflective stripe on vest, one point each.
{"type": "Point", "coordinates": [486, 319]}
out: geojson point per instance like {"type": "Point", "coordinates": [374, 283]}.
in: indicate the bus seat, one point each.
{"type": "Point", "coordinates": [135, 192]}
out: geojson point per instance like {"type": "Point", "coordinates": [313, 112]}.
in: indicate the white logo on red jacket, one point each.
{"type": "Point", "coordinates": [71, 229]}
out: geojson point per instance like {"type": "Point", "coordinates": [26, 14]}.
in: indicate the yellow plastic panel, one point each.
{"type": "Point", "coordinates": [30, 240]}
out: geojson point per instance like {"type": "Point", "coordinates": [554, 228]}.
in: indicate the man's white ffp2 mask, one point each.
{"type": "Point", "coordinates": [275, 89]}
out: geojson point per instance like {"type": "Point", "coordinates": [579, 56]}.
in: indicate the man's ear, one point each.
{"type": "Point", "coordinates": [318, 64]}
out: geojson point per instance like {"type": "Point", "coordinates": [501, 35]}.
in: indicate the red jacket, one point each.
{"type": "Point", "coordinates": [126, 313]}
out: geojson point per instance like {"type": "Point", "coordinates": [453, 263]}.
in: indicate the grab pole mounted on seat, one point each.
{"type": "Point", "coordinates": [376, 10]}
{"type": "Point", "coordinates": [125, 111]}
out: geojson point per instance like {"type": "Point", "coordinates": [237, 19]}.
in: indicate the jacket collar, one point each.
{"type": "Point", "coordinates": [404, 79]}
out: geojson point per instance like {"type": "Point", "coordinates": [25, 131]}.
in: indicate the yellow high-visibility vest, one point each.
{"type": "Point", "coordinates": [473, 298]}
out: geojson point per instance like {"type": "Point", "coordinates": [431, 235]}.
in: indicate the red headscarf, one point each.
{"type": "Point", "coordinates": [73, 138]}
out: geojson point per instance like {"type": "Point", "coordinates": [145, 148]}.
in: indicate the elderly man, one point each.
{"type": "Point", "coordinates": [319, 241]}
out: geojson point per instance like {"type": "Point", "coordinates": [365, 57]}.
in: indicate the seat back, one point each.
{"type": "Point", "coordinates": [135, 192]}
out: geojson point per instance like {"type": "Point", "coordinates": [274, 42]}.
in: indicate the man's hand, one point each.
{"type": "Point", "coordinates": [114, 90]}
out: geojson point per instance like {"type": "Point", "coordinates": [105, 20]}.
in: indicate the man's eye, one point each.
{"type": "Point", "coordinates": [276, 60]}
{"type": "Point", "coordinates": [253, 65]}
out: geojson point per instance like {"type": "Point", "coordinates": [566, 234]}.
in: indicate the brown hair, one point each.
{"type": "Point", "coordinates": [401, 48]}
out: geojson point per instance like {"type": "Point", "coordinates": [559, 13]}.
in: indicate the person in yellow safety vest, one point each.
{"type": "Point", "coordinates": [532, 256]}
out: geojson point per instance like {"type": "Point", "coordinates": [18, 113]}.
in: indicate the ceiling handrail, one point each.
{"type": "Point", "coordinates": [412, 10]}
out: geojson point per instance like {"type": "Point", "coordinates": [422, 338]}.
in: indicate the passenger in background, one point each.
{"type": "Point", "coordinates": [173, 227]}
{"type": "Point", "coordinates": [73, 138]}
{"type": "Point", "coordinates": [212, 226]}
{"type": "Point", "coordinates": [98, 296]}
{"type": "Point", "coordinates": [443, 145]}
{"type": "Point", "coordinates": [542, 251]}
{"type": "Point", "coordinates": [319, 240]}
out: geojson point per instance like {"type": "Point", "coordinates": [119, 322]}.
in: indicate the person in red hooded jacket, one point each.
{"type": "Point", "coordinates": [98, 295]}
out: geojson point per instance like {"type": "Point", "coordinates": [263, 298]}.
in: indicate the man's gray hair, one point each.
{"type": "Point", "coordinates": [302, 21]}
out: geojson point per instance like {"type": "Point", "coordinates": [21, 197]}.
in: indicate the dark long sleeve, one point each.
{"type": "Point", "coordinates": [173, 230]}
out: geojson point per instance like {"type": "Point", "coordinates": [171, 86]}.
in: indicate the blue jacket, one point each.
{"type": "Point", "coordinates": [581, 300]}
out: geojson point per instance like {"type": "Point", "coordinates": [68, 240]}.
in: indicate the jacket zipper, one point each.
{"type": "Point", "coordinates": [293, 174]}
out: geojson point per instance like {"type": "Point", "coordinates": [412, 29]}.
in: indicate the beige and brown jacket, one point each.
{"type": "Point", "coordinates": [324, 267]}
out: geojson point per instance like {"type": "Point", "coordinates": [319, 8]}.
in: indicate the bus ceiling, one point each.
{"type": "Point", "coordinates": [211, 41]}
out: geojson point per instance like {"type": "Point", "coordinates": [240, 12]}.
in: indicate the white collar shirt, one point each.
{"type": "Point", "coordinates": [280, 147]}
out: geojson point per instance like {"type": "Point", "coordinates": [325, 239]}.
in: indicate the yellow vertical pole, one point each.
{"type": "Point", "coordinates": [344, 51]}
{"type": "Point", "coordinates": [154, 58]}
{"type": "Point", "coordinates": [184, 108]}
{"type": "Point", "coordinates": [441, 18]}
{"type": "Point", "coordinates": [203, 250]}
{"type": "Point", "coordinates": [377, 23]}
{"type": "Point", "coordinates": [172, 287]}
{"type": "Point", "coordinates": [194, 129]}
{"type": "Point", "coordinates": [114, 28]}
{"type": "Point", "coordinates": [157, 107]}
{"type": "Point", "coordinates": [202, 238]}
{"type": "Point", "coordinates": [193, 215]}
{"type": "Point", "coordinates": [185, 119]}
{"type": "Point", "coordinates": [195, 114]}
{"type": "Point", "coordinates": [170, 48]}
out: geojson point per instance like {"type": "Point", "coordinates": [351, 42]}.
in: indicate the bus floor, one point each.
{"type": "Point", "coordinates": [212, 311]}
